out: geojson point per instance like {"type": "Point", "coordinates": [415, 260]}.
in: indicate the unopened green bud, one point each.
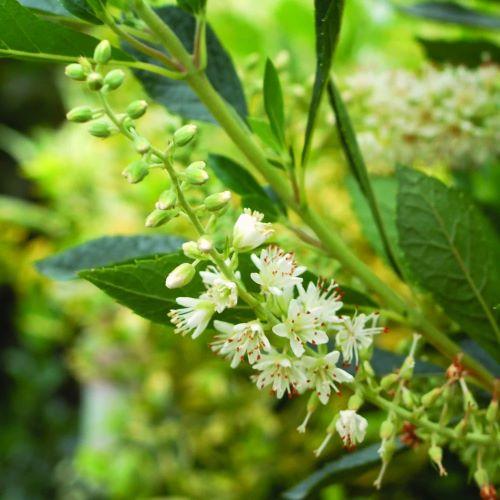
{"type": "Point", "coordinates": [205, 244]}
{"type": "Point", "coordinates": [469, 401]}
{"type": "Point", "coordinates": [127, 122]}
{"type": "Point", "coordinates": [368, 369]}
{"type": "Point", "coordinates": [386, 430]}
{"type": "Point", "coordinates": [142, 145]}
{"type": "Point", "coordinates": [102, 53]}
{"type": "Point", "coordinates": [387, 450]}
{"type": "Point", "coordinates": [136, 171]}
{"type": "Point", "coordinates": [492, 411]}
{"type": "Point", "coordinates": [406, 371]}
{"type": "Point", "coordinates": [431, 397]}
{"type": "Point", "coordinates": [100, 129]}
{"type": "Point", "coordinates": [191, 250]}
{"type": "Point", "coordinates": [185, 134]}
{"type": "Point", "coordinates": [114, 79]}
{"type": "Point", "coordinates": [195, 175]}
{"type": "Point", "coordinates": [136, 109]}
{"type": "Point", "coordinates": [408, 400]}
{"type": "Point", "coordinates": [481, 477]}
{"type": "Point", "coordinates": [355, 402]}
{"type": "Point", "coordinates": [180, 276]}
{"type": "Point", "coordinates": [75, 72]}
{"type": "Point", "coordinates": [436, 455]}
{"type": "Point", "coordinates": [217, 201]}
{"type": "Point", "coordinates": [461, 427]}
{"type": "Point", "coordinates": [159, 217]}
{"type": "Point", "coordinates": [167, 200]}
{"type": "Point", "coordinates": [388, 381]}
{"type": "Point", "coordinates": [81, 114]}
{"type": "Point", "coordinates": [94, 81]}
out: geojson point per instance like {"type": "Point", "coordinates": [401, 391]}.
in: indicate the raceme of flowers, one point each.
{"type": "Point", "coordinates": [289, 342]}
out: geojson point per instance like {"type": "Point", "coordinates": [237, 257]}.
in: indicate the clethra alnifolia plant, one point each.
{"type": "Point", "coordinates": [235, 288]}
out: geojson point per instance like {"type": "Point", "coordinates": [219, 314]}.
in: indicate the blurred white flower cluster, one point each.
{"type": "Point", "coordinates": [438, 117]}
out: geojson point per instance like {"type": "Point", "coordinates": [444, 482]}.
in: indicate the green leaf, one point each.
{"type": "Point", "coordinates": [346, 466]}
{"type": "Point", "coordinates": [105, 251]}
{"type": "Point", "coordinates": [471, 53]}
{"type": "Point", "coordinates": [24, 36]}
{"type": "Point", "coordinates": [263, 131]}
{"type": "Point", "coordinates": [46, 6]}
{"type": "Point", "coordinates": [357, 167]}
{"type": "Point", "coordinates": [273, 102]}
{"type": "Point", "coordinates": [82, 10]}
{"type": "Point", "coordinates": [452, 13]}
{"type": "Point", "coordinates": [192, 6]}
{"type": "Point", "coordinates": [454, 253]}
{"type": "Point", "coordinates": [328, 18]}
{"type": "Point", "coordinates": [239, 180]}
{"type": "Point", "coordinates": [176, 95]}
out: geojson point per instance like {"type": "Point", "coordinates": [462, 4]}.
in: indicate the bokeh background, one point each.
{"type": "Point", "coordinates": [96, 402]}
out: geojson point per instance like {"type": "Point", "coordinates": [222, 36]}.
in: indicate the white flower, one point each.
{"type": "Point", "coordinates": [239, 340]}
{"type": "Point", "coordinates": [351, 428]}
{"type": "Point", "coordinates": [353, 334]}
{"type": "Point", "coordinates": [301, 326]}
{"type": "Point", "coordinates": [281, 373]}
{"type": "Point", "coordinates": [323, 301]}
{"type": "Point", "coordinates": [222, 292]}
{"type": "Point", "coordinates": [249, 232]}
{"type": "Point", "coordinates": [324, 375]}
{"type": "Point", "coordinates": [193, 317]}
{"type": "Point", "coordinates": [277, 270]}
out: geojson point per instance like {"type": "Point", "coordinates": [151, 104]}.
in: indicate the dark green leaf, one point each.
{"type": "Point", "coordinates": [328, 18]}
{"type": "Point", "coordinates": [239, 180]}
{"type": "Point", "coordinates": [474, 350]}
{"type": "Point", "coordinates": [24, 36]}
{"type": "Point", "coordinates": [176, 95]}
{"type": "Point", "coordinates": [453, 13]}
{"type": "Point", "coordinates": [347, 465]}
{"type": "Point", "coordinates": [105, 251]}
{"type": "Point", "coordinates": [192, 6]}
{"type": "Point", "coordinates": [357, 167]}
{"type": "Point", "coordinates": [454, 253]}
{"type": "Point", "coordinates": [82, 10]}
{"type": "Point", "coordinates": [469, 53]}
{"type": "Point", "coordinates": [384, 362]}
{"type": "Point", "coordinates": [273, 102]}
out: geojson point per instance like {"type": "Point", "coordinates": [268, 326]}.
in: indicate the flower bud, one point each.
{"type": "Point", "coordinates": [159, 217]}
{"type": "Point", "coordinates": [185, 134]}
{"type": "Point", "coordinates": [205, 244]}
{"type": "Point", "coordinates": [492, 411]}
{"type": "Point", "coordinates": [217, 201]}
{"type": "Point", "coordinates": [136, 109]}
{"type": "Point", "coordinates": [387, 450]}
{"type": "Point", "coordinates": [355, 402]}
{"type": "Point", "coordinates": [431, 397]}
{"type": "Point", "coordinates": [75, 72]}
{"type": "Point", "coordinates": [180, 276]}
{"type": "Point", "coordinates": [102, 53]}
{"type": "Point", "coordinates": [94, 81]}
{"type": "Point", "coordinates": [136, 171]}
{"type": "Point", "coordinates": [195, 176]}
{"type": "Point", "coordinates": [81, 114]}
{"type": "Point", "coordinates": [481, 477]}
{"type": "Point", "coordinates": [436, 455]}
{"type": "Point", "coordinates": [191, 250]}
{"type": "Point", "coordinates": [367, 367]}
{"type": "Point", "coordinates": [167, 200]}
{"type": "Point", "coordinates": [249, 231]}
{"type": "Point", "coordinates": [100, 129]}
{"type": "Point", "coordinates": [408, 400]}
{"type": "Point", "coordinates": [114, 79]}
{"type": "Point", "coordinates": [142, 145]}
{"type": "Point", "coordinates": [406, 371]}
{"type": "Point", "coordinates": [386, 430]}
{"type": "Point", "coordinates": [389, 380]}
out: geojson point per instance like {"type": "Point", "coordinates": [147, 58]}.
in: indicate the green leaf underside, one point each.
{"type": "Point", "coordinates": [105, 251]}
{"type": "Point", "coordinates": [453, 252]}
{"type": "Point", "coordinates": [358, 169]}
{"type": "Point", "coordinates": [176, 95]}
{"type": "Point", "coordinates": [47, 6]}
{"type": "Point", "coordinates": [471, 53]}
{"type": "Point", "coordinates": [25, 36]}
{"type": "Point", "coordinates": [453, 13]}
{"type": "Point", "coordinates": [239, 180]}
{"type": "Point", "coordinates": [81, 9]}
{"type": "Point", "coordinates": [273, 102]}
{"type": "Point", "coordinates": [347, 465]}
{"type": "Point", "coordinates": [328, 17]}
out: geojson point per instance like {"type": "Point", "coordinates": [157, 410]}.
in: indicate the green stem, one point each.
{"type": "Point", "coordinates": [240, 135]}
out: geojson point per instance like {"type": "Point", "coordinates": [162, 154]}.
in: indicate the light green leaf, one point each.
{"type": "Point", "coordinates": [328, 18]}
{"type": "Point", "coordinates": [273, 102]}
{"type": "Point", "coordinates": [262, 130]}
{"type": "Point", "coordinates": [105, 251]}
{"type": "Point", "coordinates": [24, 36]}
{"type": "Point", "coordinates": [453, 252]}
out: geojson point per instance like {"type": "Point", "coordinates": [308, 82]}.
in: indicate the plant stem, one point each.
{"type": "Point", "coordinates": [240, 135]}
